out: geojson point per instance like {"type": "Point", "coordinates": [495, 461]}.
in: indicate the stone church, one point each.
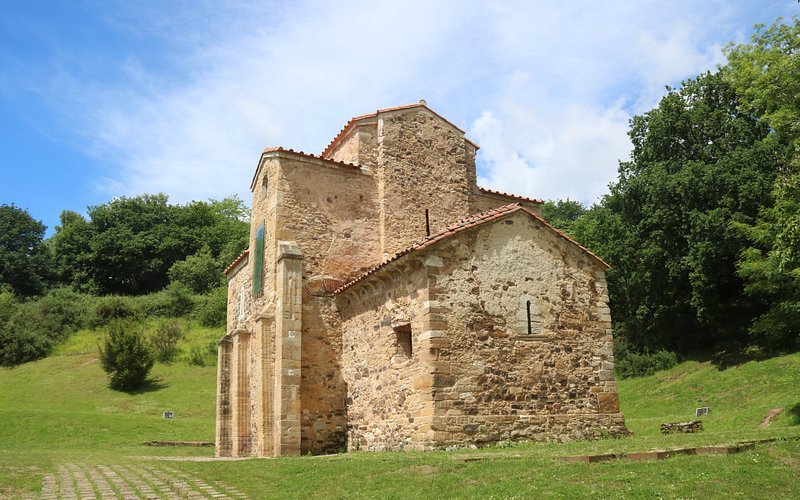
{"type": "Point", "coordinates": [387, 302]}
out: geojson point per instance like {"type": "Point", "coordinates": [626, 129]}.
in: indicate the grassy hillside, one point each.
{"type": "Point", "coordinates": [63, 402]}
{"type": "Point", "coordinates": [60, 410]}
{"type": "Point", "coordinates": [739, 397]}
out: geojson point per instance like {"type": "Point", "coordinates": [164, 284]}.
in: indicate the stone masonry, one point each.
{"type": "Point", "coordinates": [387, 302]}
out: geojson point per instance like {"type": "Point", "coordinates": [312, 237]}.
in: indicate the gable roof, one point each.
{"type": "Point", "coordinates": [280, 149]}
{"type": "Point", "coordinates": [462, 225]}
{"type": "Point", "coordinates": [353, 121]}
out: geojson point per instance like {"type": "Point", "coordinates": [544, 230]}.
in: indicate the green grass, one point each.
{"type": "Point", "coordinates": [61, 410]}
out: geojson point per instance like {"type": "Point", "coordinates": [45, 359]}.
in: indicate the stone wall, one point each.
{"type": "Point", "coordinates": [389, 404]}
{"type": "Point", "coordinates": [323, 390]}
{"type": "Point", "coordinates": [330, 210]}
{"type": "Point", "coordinates": [505, 383]}
{"type": "Point", "coordinates": [424, 163]}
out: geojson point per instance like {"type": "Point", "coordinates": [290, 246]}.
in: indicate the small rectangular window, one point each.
{"type": "Point", "coordinates": [403, 336]}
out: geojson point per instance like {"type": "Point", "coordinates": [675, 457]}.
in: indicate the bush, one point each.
{"type": "Point", "coordinates": [18, 345]}
{"type": "Point", "coordinates": [8, 305]}
{"type": "Point", "coordinates": [175, 301]}
{"type": "Point", "coordinates": [212, 310]}
{"type": "Point", "coordinates": [126, 356]}
{"type": "Point", "coordinates": [199, 356]}
{"type": "Point", "coordinates": [111, 308]}
{"type": "Point", "coordinates": [165, 340]}
{"type": "Point", "coordinates": [61, 311]}
{"type": "Point", "coordinates": [199, 272]}
{"type": "Point", "coordinates": [629, 363]}
{"type": "Point", "coordinates": [28, 330]}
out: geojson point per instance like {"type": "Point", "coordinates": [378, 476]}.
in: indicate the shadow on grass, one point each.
{"type": "Point", "coordinates": [794, 411]}
{"type": "Point", "coordinates": [736, 355]}
{"type": "Point", "coordinates": [150, 385]}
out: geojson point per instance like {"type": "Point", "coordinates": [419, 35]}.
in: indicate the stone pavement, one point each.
{"type": "Point", "coordinates": [73, 481]}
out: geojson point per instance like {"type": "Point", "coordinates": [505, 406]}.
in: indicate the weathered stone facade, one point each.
{"type": "Point", "coordinates": [388, 302]}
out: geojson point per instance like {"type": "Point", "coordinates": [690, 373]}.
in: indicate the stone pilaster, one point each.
{"type": "Point", "coordinates": [264, 385]}
{"type": "Point", "coordinates": [288, 339]}
{"type": "Point", "coordinates": [240, 394]}
{"type": "Point", "coordinates": [223, 427]}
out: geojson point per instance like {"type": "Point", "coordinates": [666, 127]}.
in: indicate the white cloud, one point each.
{"type": "Point", "coordinates": [546, 90]}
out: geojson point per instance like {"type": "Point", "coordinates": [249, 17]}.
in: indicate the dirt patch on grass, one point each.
{"type": "Point", "coordinates": [768, 418]}
{"type": "Point", "coordinates": [425, 470]}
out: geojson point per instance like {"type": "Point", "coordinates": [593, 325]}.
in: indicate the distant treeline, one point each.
{"type": "Point", "coordinates": [702, 226]}
{"type": "Point", "coordinates": [130, 258]}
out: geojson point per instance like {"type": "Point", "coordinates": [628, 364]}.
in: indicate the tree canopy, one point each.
{"type": "Point", "coordinates": [702, 225]}
{"type": "Point", "coordinates": [128, 245]}
{"type": "Point", "coordinates": [24, 264]}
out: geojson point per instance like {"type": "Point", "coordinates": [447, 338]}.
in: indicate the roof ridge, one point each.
{"type": "Point", "coordinates": [353, 120]}
{"type": "Point", "coordinates": [510, 195]}
{"type": "Point", "coordinates": [281, 149]}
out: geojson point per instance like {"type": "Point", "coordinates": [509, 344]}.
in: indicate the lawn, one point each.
{"type": "Point", "coordinates": [60, 411]}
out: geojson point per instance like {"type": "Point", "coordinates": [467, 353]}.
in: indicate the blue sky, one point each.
{"type": "Point", "coordinates": [105, 98]}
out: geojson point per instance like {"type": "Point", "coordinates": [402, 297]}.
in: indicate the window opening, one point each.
{"type": "Point", "coordinates": [403, 337]}
{"type": "Point", "coordinates": [530, 329]}
{"type": "Point", "coordinates": [427, 223]}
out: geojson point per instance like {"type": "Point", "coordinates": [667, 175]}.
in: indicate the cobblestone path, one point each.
{"type": "Point", "coordinates": [73, 481]}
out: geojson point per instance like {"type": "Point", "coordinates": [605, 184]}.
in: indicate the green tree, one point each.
{"type": "Point", "coordinates": [766, 72]}
{"type": "Point", "coordinates": [699, 162]}
{"type": "Point", "coordinates": [24, 261]}
{"type": "Point", "coordinates": [71, 250]}
{"type": "Point", "coordinates": [562, 213]}
{"type": "Point", "coordinates": [127, 246]}
{"type": "Point", "coordinates": [125, 356]}
{"type": "Point", "coordinates": [200, 272]}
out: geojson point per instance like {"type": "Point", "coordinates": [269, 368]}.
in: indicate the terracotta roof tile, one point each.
{"type": "Point", "coordinates": [461, 225]}
{"type": "Point", "coordinates": [236, 261]}
{"type": "Point", "coordinates": [509, 195]}
{"type": "Point", "coordinates": [351, 123]}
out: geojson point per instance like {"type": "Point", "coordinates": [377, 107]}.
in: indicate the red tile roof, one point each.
{"type": "Point", "coordinates": [236, 261]}
{"type": "Point", "coordinates": [509, 195]}
{"type": "Point", "coordinates": [303, 154]}
{"type": "Point", "coordinates": [350, 124]}
{"type": "Point", "coordinates": [461, 225]}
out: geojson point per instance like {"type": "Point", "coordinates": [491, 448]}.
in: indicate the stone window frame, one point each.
{"type": "Point", "coordinates": [404, 341]}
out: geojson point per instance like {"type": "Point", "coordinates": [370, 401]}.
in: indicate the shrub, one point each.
{"type": "Point", "coordinates": [28, 330]}
{"type": "Point", "coordinates": [175, 301]}
{"type": "Point", "coordinates": [111, 308]}
{"type": "Point", "coordinates": [8, 305]}
{"type": "Point", "coordinates": [18, 345]}
{"type": "Point", "coordinates": [628, 363]}
{"type": "Point", "coordinates": [126, 356]}
{"type": "Point", "coordinates": [165, 340]}
{"type": "Point", "coordinates": [61, 311]}
{"type": "Point", "coordinates": [197, 356]}
{"type": "Point", "coordinates": [212, 309]}
{"type": "Point", "coordinates": [199, 272]}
